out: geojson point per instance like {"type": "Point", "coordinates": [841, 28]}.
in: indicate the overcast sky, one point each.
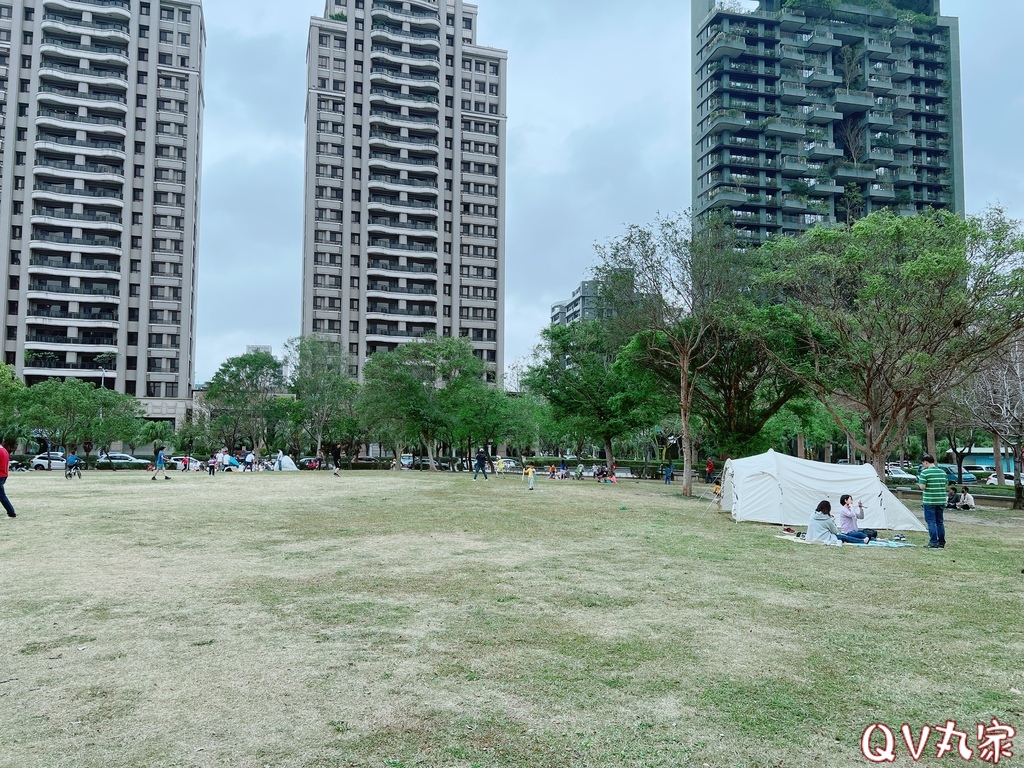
{"type": "Point", "coordinates": [598, 136]}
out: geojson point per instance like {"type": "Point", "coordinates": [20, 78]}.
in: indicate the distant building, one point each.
{"type": "Point", "coordinates": [814, 114]}
{"type": "Point", "coordinates": [101, 116]}
{"type": "Point", "coordinates": [585, 304]}
{"type": "Point", "coordinates": [405, 178]}
{"type": "Point", "coordinates": [259, 348]}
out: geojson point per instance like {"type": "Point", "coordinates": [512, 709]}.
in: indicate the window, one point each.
{"type": "Point", "coordinates": [183, 61]}
{"type": "Point", "coordinates": [167, 14]}
{"type": "Point", "coordinates": [166, 36]}
{"type": "Point", "coordinates": [184, 39]}
{"type": "Point", "coordinates": [467, 23]}
{"type": "Point", "coordinates": [185, 17]}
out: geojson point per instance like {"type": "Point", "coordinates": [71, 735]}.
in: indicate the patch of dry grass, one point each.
{"type": "Point", "coordinates": [302, 620]}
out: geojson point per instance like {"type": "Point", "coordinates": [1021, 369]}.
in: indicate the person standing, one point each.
{"type": "Point", "coordinates": [481, 464]}
{"type": "Point", "coordinates": [5, 468]}
{"type": "Point", "coordinates": [212, 463]}
{"type": "Point", "coordinates": [336, 455]}
{"type": "Point", "coordinates": [530, 472]}
{"type": "Point", "coordinates": [668, 474]}
{"type": "Point", "coordinates": [709, 471]}
{"type": "Point", "coordinates": [932, 481]}
{"type": "Point", "coordinates": [250, 461]}
{"type": "Point", "coordinates": [280, 460]}
{"type": "Point", "coordinates": [160, 465]}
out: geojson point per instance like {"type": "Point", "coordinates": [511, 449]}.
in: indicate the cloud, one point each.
{"type": "Point", "coordinates": [598, 137]}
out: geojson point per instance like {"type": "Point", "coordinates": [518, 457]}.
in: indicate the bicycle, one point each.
{"type": "Point", "coordinates": [72, 472]}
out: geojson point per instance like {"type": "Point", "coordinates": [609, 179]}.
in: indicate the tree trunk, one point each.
{"type": "Point", "coordinates": [997, 457]}
{"type": "Point", "coordinates": [801, 448]}
{"type": "Point", "coordinates": [929, 424]}
{"type": "Point", "coordinates": [685, 439]}
{"type": "Point", "coordinates": [1018, 489]}
{"type": "Point", "coordinates": [609, 459]}
{"type": "Point", "coordinates": [430, 455]}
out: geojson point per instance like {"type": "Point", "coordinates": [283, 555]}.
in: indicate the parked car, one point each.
{"type": "Point", "coordinates": [974, 468]}
{"type": "Point", "coordinates": [511, 467]}
{"type": "Point", "coordinates": [898, 474]}
{"type": "Point", "coordinates": [422, 462]}
{"type": "Point", "coordinates": [1008, 479]}
{"type": "Point", "coordinates": [120, 460]}
{"type": "Point", "coordinates": [951, 474]}
{"type": "Point", "coordinates": [53, 461]}
{"type": "Point", "coordinates": [177, 462]}
{"type": "Point", "coordinates": [308, 462]}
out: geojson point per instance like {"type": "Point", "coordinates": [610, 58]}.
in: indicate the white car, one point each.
{"type": "Point", "coordinates": [122, 460]}
{"type": "Point", "coordinates": [898, 473]}
{"type": "Point", "coordinates": [1007, 479]}
{"type": "Point", "coordinates": [509, 466]}
{"type": "Point", "coordinates": [53, 461]}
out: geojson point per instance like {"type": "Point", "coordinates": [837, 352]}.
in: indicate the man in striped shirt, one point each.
{"type": "Point", "coordinates": [932, 482]}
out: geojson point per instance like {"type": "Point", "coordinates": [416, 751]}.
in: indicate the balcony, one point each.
{"type": "Point", "coordinates": [394, 266]}
{"type": "Point", "coordinates": [415, 56]}
{"type": "Point", "coordinates": [58, 189]}
{"type": "Point", "coordinates": [794, 203]}
{"type": "Point", "coordinates": [724, 197]}
{"type": "Point", "coordinates": [789, 54]}
{"type": "Point", "coordinates": [411, 290]}
{"type": "Point", "coordinates": [822, 114]}
{"type": "Point", "coordinates": [901, 34]}
{"type": "Point", "coordinates": [794, 166]}
{"type": "Point", "coordinates": [880, 156]}
{"type": "Point", "coordinates": [417, 16]}
{"type": "Point", "coordinates": [393, 202]}
{"type": "Point", "coordinates": [785, 127]}
{"type": "Point", "coordinates": [398, 96]}
{"type": "Point", "coordinates": [385, 309]}
{"type": "Point", "coordinates": [901, 71]}
{"type": "Point", "coordinates": [878, 120]}
{"type": "Point", "coordinates": [877, 49]}
{"type": "Point", "coordinates": [101, 52]}
{"type": "Point", "coordinates": [377, 178]}
{"type": "Point", "coordinates": [42, 264]}
{"type": "Point", "coordinates": [731, 120]}
{"type": "Point", "coordinates": [820, 40]}
{"type": "Point", "coordinates": [823, 150]}
{"type": "Point", "coordinates": [820, 77]}
{"type": "Point", "coordinates": [420, 38]}
{"type": "Point", "coordinates": [101, 341]}
{"type": "Point", "coordinates": [881, 191]}
{"type": "Point", "coordinates": [792, 93]}
{"type": "Point", "coordinates": [397, 117]}
{"type": "Point", "coordinates": [725, 45]}
{"type": "Point", "coordinates": [848, 101]}
{"type": "Point", "coordinates": [391, 245]}
{"type": "Point", "coordinates": [846, 172]}
{"type": "Point", "coordinates": [96, 292]}
{"type": "Point", "coordinates": [52, 240]}
{"type": "Point", "coordinates": [879, 84]}
{"type": "Point", "coordinates": [824, 188]}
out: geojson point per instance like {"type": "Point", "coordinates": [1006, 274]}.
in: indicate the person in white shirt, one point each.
{"type": "Point", "coordinates": [966, 499]}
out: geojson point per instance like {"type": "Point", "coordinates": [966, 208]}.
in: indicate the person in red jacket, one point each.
{"type": "Point", "coordinates": [5, 462]}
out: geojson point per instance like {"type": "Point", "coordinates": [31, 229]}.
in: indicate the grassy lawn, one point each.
{"type": "Point", "coordinates": [400, 621]}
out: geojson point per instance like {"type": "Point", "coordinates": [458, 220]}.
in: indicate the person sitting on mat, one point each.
{"type": "Point", "coordinates": [848, 517]}
{"type": "Point", "coordinates": [966, 499]}
{"type": "Point", "coordinates": [952, 497]}
{"type": "Point", "coordinates": [822, 528]}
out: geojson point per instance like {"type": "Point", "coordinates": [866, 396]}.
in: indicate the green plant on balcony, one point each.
{"type": "Point", "coordinates": [904, 198]}
{"type": "Point", "coordinates": [35, 356]}
{"type": "Point", "coordinates": [800, 188]}
{"type": "Point", "coordinates": [338, 17]}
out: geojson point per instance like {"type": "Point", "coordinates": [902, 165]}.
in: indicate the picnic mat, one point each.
{"type": "Point", "coordinates": [875, 543]}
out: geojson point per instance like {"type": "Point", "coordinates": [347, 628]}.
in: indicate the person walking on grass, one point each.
{"type": "Point", "coordinates": [932, 481]}
{"type": "Point", "coordinates": [530, 472]}
{"type": "Point", "coordinates": [160, 467]}
{"type": "Point", "coordinates": [5, 464]}
{"type": "Point", "coordinates": [668, 474]}
{"type": "Point", "coordinates": [481, 464]}
{"type": "Point", "coordinates": [336, 456]}
{"type": "Point", "coordinates": [211, 464]}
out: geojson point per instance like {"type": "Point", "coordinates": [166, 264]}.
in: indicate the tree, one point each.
{"type": "Point", "coordinates": [575, 372]}
{"type": "Point", "coordinates": [411, 394]}
{"type": "Point", "coordinates": [995, 398]}
{"type": "Point", "coordinates": [240, 396]}
{"type": "Point", "coordinates": [892, 304]}
{"type": "Point", "coordinates": [62, 409]}
{"type": "Point", "coordinates": [665, 283]}
{"type": "Point", "coordinates": [12, 427]}
{"type": "Point", "coordinates": [117, 417]}
{"type": "Point", "coordinates": [321, 384]}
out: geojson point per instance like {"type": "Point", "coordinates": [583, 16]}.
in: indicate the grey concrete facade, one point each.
{"type": "Point", "coordinates": [583, 305]}
{"type": "Point", "coordinates": [405, 178]}
{"type": "Point", "coordinates": [99, 215]}
{"type": "Point", "coordinates": [794, 105]}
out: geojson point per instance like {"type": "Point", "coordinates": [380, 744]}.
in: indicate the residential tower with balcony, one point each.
{"type": "Point", "coordinates": [405, 178]}
{"type": "Point", "coordinates": [101, 122]}
{"type": "Point", "coordinates": [824, 112]}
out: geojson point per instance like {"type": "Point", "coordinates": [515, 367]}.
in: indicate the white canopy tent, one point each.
{"type": "Point", "coordinates": [773, 488]}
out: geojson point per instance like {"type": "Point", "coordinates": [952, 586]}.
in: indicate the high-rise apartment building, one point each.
{"type": "Point", "coordinates": [99, 208]}
{"type": "Point", "coordinates": [405, 178]}
{"type": "Point", "coordinates": [824, 111]}
{"type": "Point", "coordinates": [585, 304]}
